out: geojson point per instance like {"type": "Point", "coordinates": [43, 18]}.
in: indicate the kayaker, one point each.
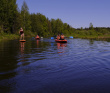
{"type": "Point", "coordinates": [58, 36]}
{"type": "Point", "coordinates": [37, 36]}
{"type": "Point", "coordinates": [21, 32]}
{"type": "Point", "coordinates": [62, 37]}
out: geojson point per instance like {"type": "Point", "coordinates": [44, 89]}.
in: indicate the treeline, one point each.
{"type": "Point", "coordinates": [92, 32]}
{"type": "Point", "coordinates": [12, 18]}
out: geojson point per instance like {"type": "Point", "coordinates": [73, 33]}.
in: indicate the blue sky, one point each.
{"type": "Point", "coordinates": [77, 13]}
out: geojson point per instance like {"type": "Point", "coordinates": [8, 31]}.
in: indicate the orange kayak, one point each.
{"type": "Point", "coordinates": [37, 38]}
{"type": "Point", "coordinates": [22, 40]}
{"type": "Point", "coordinates": [61, 41]}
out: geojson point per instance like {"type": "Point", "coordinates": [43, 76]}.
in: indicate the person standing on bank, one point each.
{"type": "Point", "coordinates": [21, 32]}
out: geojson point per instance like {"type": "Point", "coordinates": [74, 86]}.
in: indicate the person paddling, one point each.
{"type": "Point", "coordinates": [21, 32]}
{"type": "Point", "coordinates": [62, 37]}
{"type": "Point", "coordinates": [37, 37]}
{"type": "Point", "coordinates": [58, 36]}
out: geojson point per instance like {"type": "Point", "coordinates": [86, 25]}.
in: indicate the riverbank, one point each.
{"type": "Point", "coordinates": [4, 36]}
{"type": "Point", "coordinates": [92, 36]}
{"type": "Point", "coordinates": [17, 36]}
{"type": "Point", "coordinates": [8, 36]}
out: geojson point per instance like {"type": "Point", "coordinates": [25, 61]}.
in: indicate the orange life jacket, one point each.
{"type": "Point", "coordinates": [58, 37]}
{"type": "Point", "coordinates": [62, 37]}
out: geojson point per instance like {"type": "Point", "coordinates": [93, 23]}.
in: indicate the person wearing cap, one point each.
{"type": "Point", "coordinates": [21, 32]}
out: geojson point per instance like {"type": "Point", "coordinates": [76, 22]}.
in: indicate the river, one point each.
{"type": "Point", "coordinates": [44, 66]}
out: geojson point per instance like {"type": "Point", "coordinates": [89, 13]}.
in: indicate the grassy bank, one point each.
{"type": "Point", "coordinates": [5, 36]}
{"type": "Point", "coordinates": [91, 36]}
{"type": "Point", "coordinates": [8, 36]}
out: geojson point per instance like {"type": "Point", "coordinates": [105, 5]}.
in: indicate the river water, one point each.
{"type": "Point", "coordinates": [44, 66]}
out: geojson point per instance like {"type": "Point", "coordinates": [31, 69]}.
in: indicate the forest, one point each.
{"type": "Point", "coordinates": [12, 19]}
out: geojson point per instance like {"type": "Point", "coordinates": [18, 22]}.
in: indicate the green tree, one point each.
{"type": "Point", "coordinates": [49, 27]}
{"type": "Point", "coordinates": [59, 26]}
{"type": "Point", "coordinates": [53, 26]}
{"type": "Point", "coordinates": [26, 22]}
{"type": "Point", "coordinates": [91, 26]}
{"type": "Point", "coordinates": [8, 11]}
{"type": "Point", "coordinates": [39, 24]}
{"type": "Point", "coordinates": [33, 22]}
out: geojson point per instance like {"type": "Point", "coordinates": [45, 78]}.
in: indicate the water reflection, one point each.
{"type": "Point", "coordinates": [22, 44]}
{"type": "Point", "coordinates": [37, 42]}
{"type": "Point", "coordinates": [22, 47]}
{"type": "Point", "coordinates": [61, 47]}
{"type": "Point", "coordinates": [49, 66]}
{"type": "Point", "coordinates": [22, 58]}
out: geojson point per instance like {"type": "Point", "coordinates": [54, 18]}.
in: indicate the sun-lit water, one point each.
{"type": "Point", "coordinates": [44, 66]}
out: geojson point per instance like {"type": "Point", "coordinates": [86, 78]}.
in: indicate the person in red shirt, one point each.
{"type": "Point", "coordinates": [21, 32]}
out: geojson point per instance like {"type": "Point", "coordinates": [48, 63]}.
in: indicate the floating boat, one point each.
{"type": "Point", "coordinates": [37, 38]}
{"type": "Point", "coordinates": [61, 41]}
{"type": "Point", "coordinates": [22, 40]}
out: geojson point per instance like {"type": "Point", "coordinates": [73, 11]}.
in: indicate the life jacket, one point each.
{"type": "Point", "coordinates": [62, 37]}
{"type": "Point", "coordinates": [58, 37]}
{"type": "Point", "coordinates": [37, 36]}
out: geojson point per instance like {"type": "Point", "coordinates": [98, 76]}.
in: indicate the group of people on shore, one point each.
{"type": "Point", "coordinates": [60, 37]}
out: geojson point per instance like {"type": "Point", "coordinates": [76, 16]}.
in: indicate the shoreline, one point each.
{"type": "Point", "coordinates": [16, 36]}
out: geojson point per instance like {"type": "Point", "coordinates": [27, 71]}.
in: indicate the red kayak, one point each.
{"type": "Point", "coordinates": [61, 41]}
{"type": "Point", "coordinates": [37, 38]}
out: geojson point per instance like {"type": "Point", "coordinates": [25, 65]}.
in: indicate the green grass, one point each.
{"type": "Point", "coordinates": [5, 36]}
{"type": "Point", "coordinates": [8, 36]}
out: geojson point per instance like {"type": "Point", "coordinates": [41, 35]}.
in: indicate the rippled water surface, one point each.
{"type": "Point", "coordinates": [44, 66]}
